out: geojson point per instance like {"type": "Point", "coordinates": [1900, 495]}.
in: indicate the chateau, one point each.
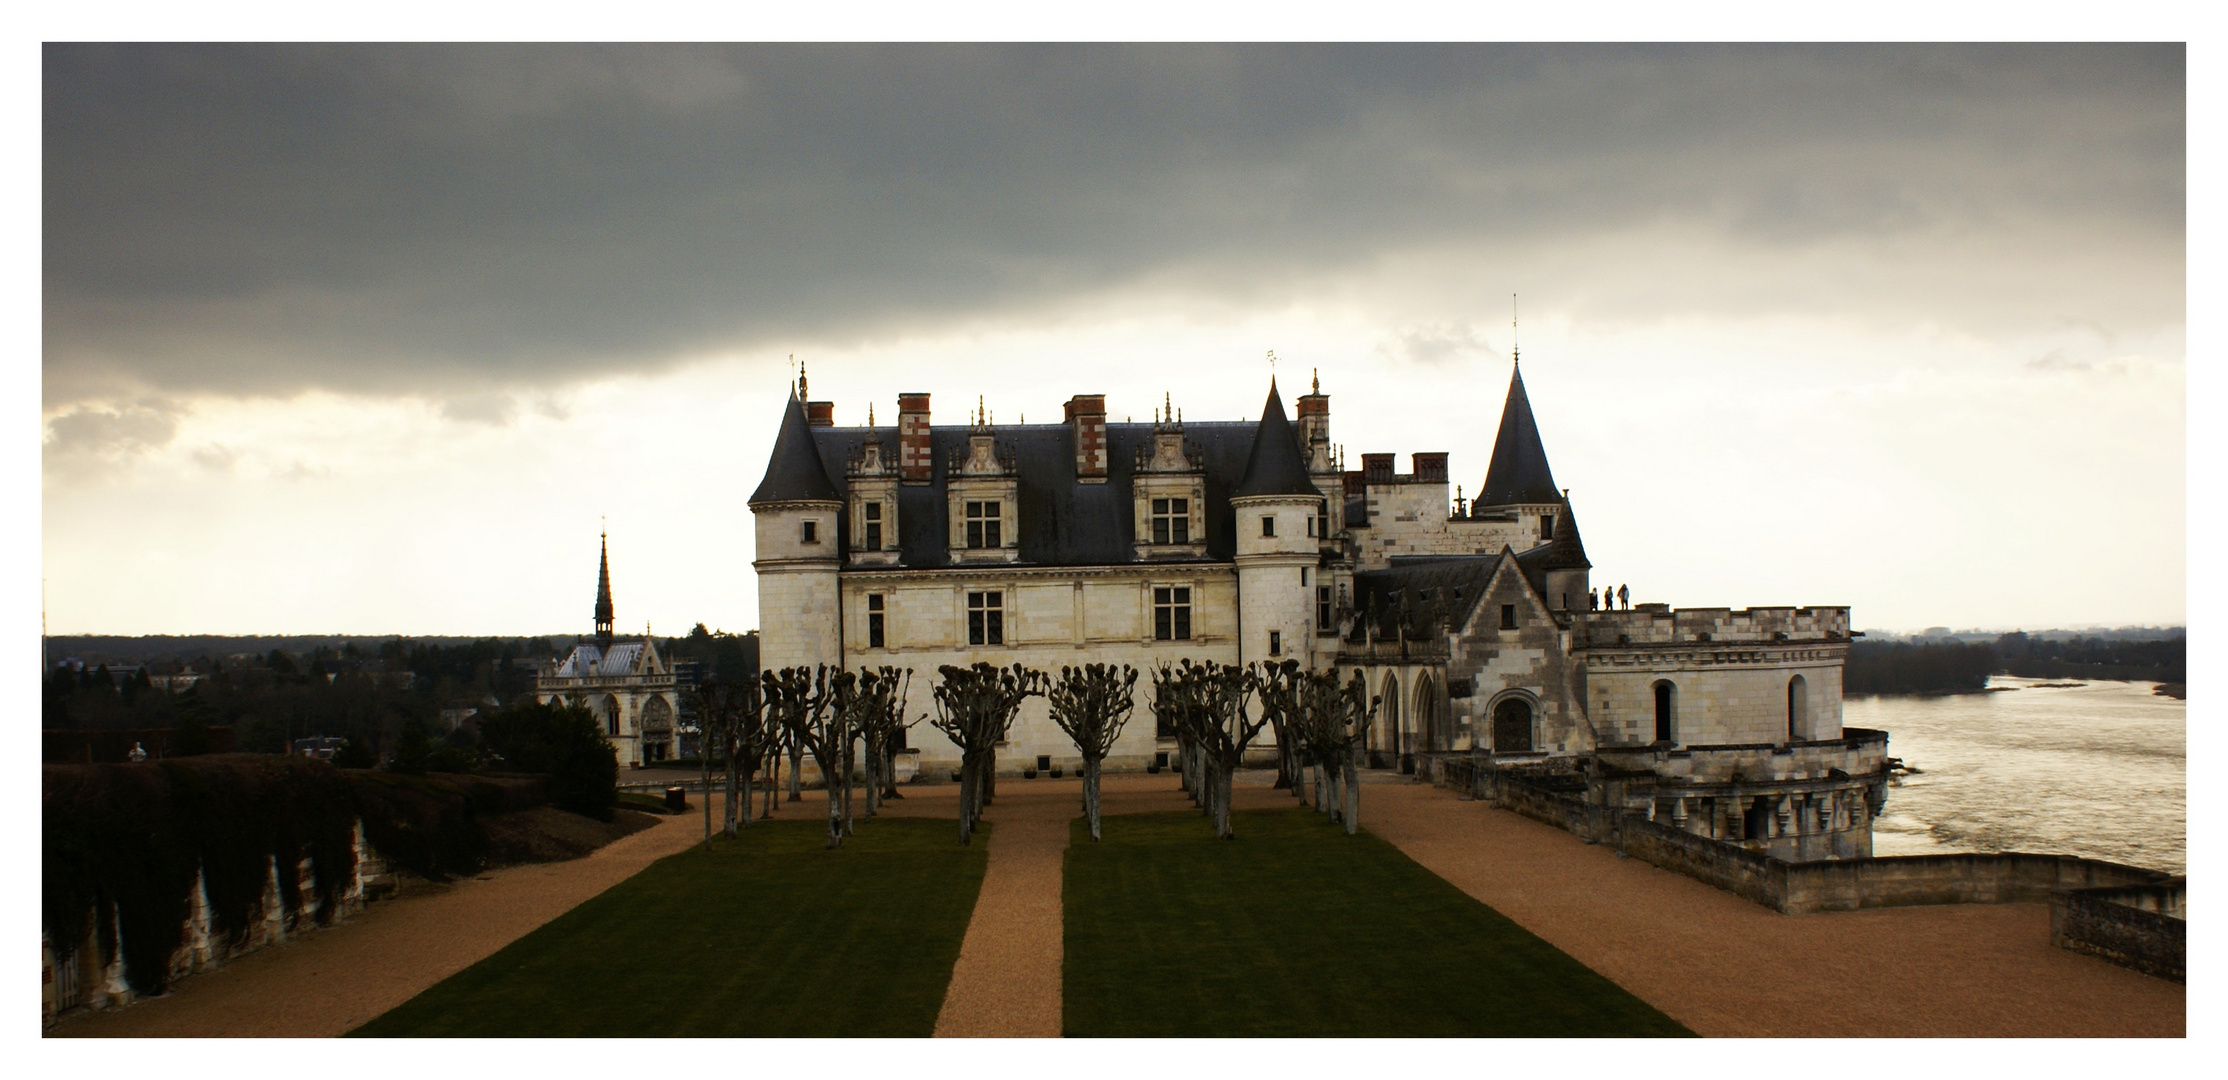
{"type": "Point", "coordinates": [634, 691]}
{"type": "Point", "coordinates": [1250, 542]}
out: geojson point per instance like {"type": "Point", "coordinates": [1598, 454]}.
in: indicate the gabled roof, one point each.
{"type": "Point", "coordinates": [1275, 466]}
{"type": "Point", "coordinates": [795, 472]}
{"type": "Point", "coordinates": [1519, 472]}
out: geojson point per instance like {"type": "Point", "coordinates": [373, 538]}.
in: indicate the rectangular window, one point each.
{"type": "Point", "coordinates": [1276, 643]}
{"type": "Point", "coordinates": [1268, 525]}
{"type": "Point", "coordinates": [874, 526]}
{"type": "Point", "coordinates": [1303, 577]}
{"type": "Point", "coordinates": [1323, 520]}
{"type": "Point", "coordinates": [1171, 614]}
{"type": "Point", "coordinates": [982, 525]}
{"type": "Point", "coordinates": [1171, 521]}
{"type": "Point", "coordinates": [1547, 526]}
{"type": "Point", "coordinates": [812, 532]}
{"type": "Point", "coordinates": [874, 620]}
{"type": "Point", "coordinates": [986, 617]}
{"type": "Point", "coordinates": [1508, 616]}
{"type": "Point", "coordinates": [1323, 608]}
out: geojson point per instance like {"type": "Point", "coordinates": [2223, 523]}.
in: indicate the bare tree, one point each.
{"type": "Point", "coordinates": [1279, 686]}
{"type": "Point", "coordinates": [1211, 701]}
{"type": "Point", "coordinates": [801, 699]}
{"type": "Point", "coordinates": [1092, 704]}
{"type": "Point", "coordinates": [974, 707]}
{"type": "Point", "coordinates": [1334, 722]}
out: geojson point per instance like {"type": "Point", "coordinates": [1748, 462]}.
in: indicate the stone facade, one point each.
{"type": "Point", "coordinates": [633, 691]}
{"type": "Point", "coordinates": [1087, 541]}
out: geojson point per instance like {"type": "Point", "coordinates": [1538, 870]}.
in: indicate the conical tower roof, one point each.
{"type": "Point", "coordinates": [795, 473]}
{"type": "Point", "coordinates": [1519, 473]}
{"type": "Point", "coordinates": [1565, 551]}
{"type": "Point", "coordinates": [1275, 466]}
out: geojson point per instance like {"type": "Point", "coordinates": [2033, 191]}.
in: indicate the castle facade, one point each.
{"type": "Point", "coordinates": [1240, 542]}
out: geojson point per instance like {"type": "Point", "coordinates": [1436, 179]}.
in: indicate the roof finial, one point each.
{"type": "Point", "coordinates": [870, 414]}
{"type": "Point", "coordinates": [1515, 354]}
{"type": "Point", "coordinates": [803, 394]}
{"type": "Point", "coordinates": [1167, 411]}
{"type": "Point", "coordinates": [1314, 381]}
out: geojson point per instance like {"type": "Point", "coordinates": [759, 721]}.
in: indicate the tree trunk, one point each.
{"type": "Point", "coordinates": [1353, 796]}
{"type": "Point", "coordinates": [1284, 776]}
{"type": "Point", "coordinates": [835, 814]}
{"type": "Point", "coordinates": [1222, 803]}
{"type": "Point", "coordinates": [1091, 794]}
{"type": "Point", "coordinates": [747, 794]}
{"type": "Point", "coordinates": [796, 770]}
{"type": "Point", "coordinates": [704, 751]}
{"type": "Point", "coordinates": [773, 782]}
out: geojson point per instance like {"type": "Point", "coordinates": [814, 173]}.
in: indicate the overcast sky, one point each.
{"type": "Point", "coordinates": [370, 339]}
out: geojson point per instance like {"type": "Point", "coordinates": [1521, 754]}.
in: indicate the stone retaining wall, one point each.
{"type": "Point", "coordinates": [2126, 914]}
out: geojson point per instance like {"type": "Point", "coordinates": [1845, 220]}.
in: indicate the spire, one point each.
{"type": "Point", "coordinates": [603, 595]}
{"type": "Point", "coordinates": [1565, 551]}
{"type": "Point", "coordinates": [1519, 472]}
{"type": "Point", "coordinates": [795, 473]}
{"type": "Point", "coordinates": [1275, 466]}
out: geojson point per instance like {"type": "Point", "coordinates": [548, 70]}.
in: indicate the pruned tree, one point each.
{"type": "Point", "coordinates": [974, 707]}
{"type": "Point", "coordinates": [1279, 687]}
{"type": "Point", "coordinates": [737, 725]}
{"type": "Point", "coordinates": [1210, 701]}
{"type": "Point", "coordinates": [1092, 704]}
{"type": "Point", "coordinates": [880, 721]}
{"type": "Point", "coordinates": [1334, 723]}
{"type": "Point", "coordinates": [800, 698]}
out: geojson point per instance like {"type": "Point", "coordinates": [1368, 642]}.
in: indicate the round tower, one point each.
{"type": "Point", "coordinates": [796, 510]}
{"type": "Point", "coordinates": [1275, 505]}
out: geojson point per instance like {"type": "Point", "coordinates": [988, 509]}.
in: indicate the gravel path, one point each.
{"type": "Point", "coordinates": [1724, 966]}
{"type": "Point", "coordinates": [327, 982]}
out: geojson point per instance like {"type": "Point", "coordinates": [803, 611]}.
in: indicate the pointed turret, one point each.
{"type": "Point", "coordinates": [1276, 466]}
{"type": "Point", "coordinates": [603, 597]}
{"type": "Point", "coordinates": [1519, 472]}
{"type": "Point", "coordinates": [1565, 551]}
{"type": "Point", "coordinates": [795, 473]}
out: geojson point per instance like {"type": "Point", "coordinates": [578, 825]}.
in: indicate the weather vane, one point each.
{"type": "Point", "coordinates": [1516, 355]}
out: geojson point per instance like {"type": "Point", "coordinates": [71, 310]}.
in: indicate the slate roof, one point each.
{"type": "Point", "coordinates": [1519, 472]}
{"type": "Point", "coordinates": [1565, 550]}
{"type": "Point", "coordinates": [1275, 466]}
{"type": "Point", "coordinates": [796, 470]}
{"type": "Point", "coordinates": [587, 661]}
{"type": "Point", "coordinates": [1063, 522]}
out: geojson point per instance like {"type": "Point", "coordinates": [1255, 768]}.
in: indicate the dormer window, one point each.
{"type": "Point", "coordinates": [983, 524]}
{"type": "Point", "coordinates": [1171, 521]}
{"type": "Point", "coordinates": [873, 526]}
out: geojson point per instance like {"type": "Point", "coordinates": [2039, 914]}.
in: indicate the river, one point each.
{"type": "Point", "coordinates": [2098, 769]}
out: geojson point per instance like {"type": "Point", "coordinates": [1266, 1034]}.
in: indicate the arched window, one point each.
{"type": "Point", "coordinates": [1798, 709]}
{"type": "Point", "coordinates": [1664, 701]}
{"type": "Point", "coordinates": [1512, 726]}
{"type": "Point", "coordinates": [610, 715]}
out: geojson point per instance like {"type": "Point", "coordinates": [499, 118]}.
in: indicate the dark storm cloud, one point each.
{"type": "Point", "coordinates": [265, 219]}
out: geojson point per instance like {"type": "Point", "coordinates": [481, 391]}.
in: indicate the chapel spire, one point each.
{"type": "Point", "coordinates": [603, 595]}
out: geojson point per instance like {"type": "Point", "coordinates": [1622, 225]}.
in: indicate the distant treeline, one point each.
{"type": "Point", "coordinates": [1896, 667]}
{"type": "Point", "coordinates": [364, 694]}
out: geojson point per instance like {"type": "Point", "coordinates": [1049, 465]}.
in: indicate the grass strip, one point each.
{"type": "Point", "coordinates": [1296, 929]}
{"type": "Point", "coordinates": [767, 935]}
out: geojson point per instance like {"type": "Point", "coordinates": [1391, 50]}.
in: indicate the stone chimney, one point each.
{"type": "Point", "coordinates": [914, 465]}
{"type": "Point", "coordinates": [820, 413]}
{"type": "Point", "coordinates": [1377, 468]}
{"type": "Point", "coordinates": [1430, 468]}
{"type": "Point", "coordinates": [1315, 428]}
{"type": "Point", "coordinates": [1086, 415]}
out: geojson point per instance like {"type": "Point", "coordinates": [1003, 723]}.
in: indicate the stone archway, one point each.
{"type": "Point", "coordinates": [657, 728]}
{"type": "Point", "coordinates": [1512, 725]}
{"type": "Point", "coordinates": [1431, 716]}
{"type": "Point", "coordinates": [1403, 742]}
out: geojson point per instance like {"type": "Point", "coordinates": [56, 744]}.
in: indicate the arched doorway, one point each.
{"type": "Point", "coordinates": [1666, 701]}
{"type": "Point", "coordinates": [1512, 726]}
{"type": "Point", "coordinates": [1431, 718]}
{"type": "Point", "coordinates": [1798, 709]}
{"type": "Point", "coordinates": [1403, 742]}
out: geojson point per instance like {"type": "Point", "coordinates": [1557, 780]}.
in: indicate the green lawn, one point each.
{"type": "Point", "coordinates": [1296, 929]}
{"type": "Point", "coordinates": [766, 936]}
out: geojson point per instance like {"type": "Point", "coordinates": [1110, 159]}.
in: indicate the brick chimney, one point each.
{"type": "Point", "coordinates": [1431, 468]}
{"type": "Point", "coordinates": [820, 413]}
{"type": "Point", "coordinates": [1086, 414]}
{"type": "Point", "coordinates": [914, 465]}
